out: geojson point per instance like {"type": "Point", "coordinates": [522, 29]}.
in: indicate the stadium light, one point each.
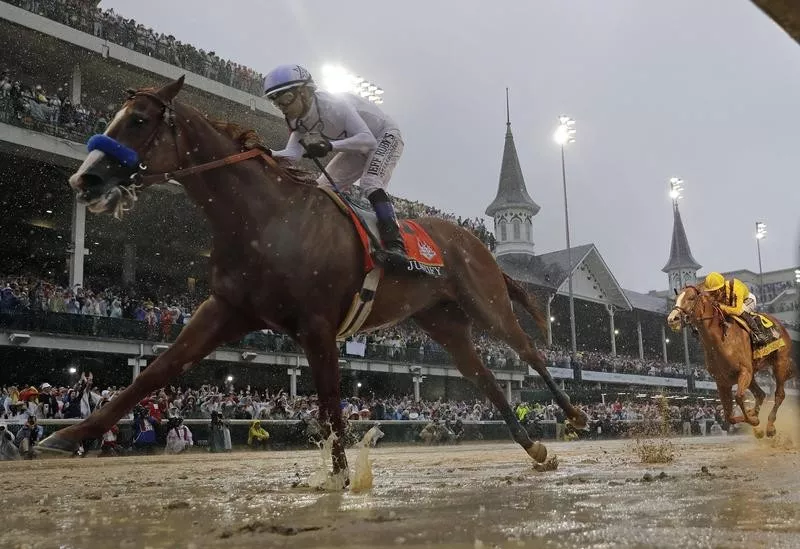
{"type": "Point", "coordinates": [229, 379]}
{"type": "Point", "coordinates": [675, 188]}
{"type": "Point", "coordinates": [616, 331]}
{"type": "Point", "coordinates": [337, 79]}
{"type": "Point", "coordinates": [73, 370]}
{"type": "Point", "coordinates": [553, 319]}
{"type": "Point", "coordinates": [565, 133]}
{"type": "Point", "coordinates": [667, 340]}
{"type": "Point", "coordinates": [761, 233]}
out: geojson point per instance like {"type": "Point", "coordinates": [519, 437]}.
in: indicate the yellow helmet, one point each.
{"type": "Point", "coordinates": [714, 281]}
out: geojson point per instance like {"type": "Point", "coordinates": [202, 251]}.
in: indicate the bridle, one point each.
{"type": "Point", "coordinates": [688, 318]}
{"type": "Point", "coordinates": [139, 179]}
{"type": "Point", "coordinates": [168, 118]}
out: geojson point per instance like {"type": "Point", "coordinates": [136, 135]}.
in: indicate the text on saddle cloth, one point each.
{"type": "Point", "coordinates": [423, 253]}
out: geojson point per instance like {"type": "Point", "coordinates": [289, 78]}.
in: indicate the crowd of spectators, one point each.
{"type": "Point", "coordinates": [106, 24]}
{"type": "Point", "coordinates": [604, 362]}
{"type": "Point", "coordinates": [33, 106]}
{"type": "Point", "coordinates": [78, 401]}
{"type": "Point", "coordinates": [412, 209]}
{"type": "Point", "coordinates": [163, 317]}
{"type": "Point", "coordinates": [20, 293]}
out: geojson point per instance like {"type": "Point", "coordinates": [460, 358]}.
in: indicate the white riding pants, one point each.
{"type": "Point", "coordinates": [749, 304]}
{"type": "Point", "coordinates": [374, 169]}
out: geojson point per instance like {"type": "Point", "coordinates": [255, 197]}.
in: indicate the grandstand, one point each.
{"type": "Point", "coordinates": [96, 294]}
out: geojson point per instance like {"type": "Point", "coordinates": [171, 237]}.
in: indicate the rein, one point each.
{"type": "Point", "coordinates": [147, 180]}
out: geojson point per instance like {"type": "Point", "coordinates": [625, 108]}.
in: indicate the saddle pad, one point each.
{"type": "Point", "coordinates": [767, 348]}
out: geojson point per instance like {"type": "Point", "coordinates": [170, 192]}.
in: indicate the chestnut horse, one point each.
{"type": "Point", "coordinates": [729, 355]}
{"type": "Point", "coordinates": [285, 257]}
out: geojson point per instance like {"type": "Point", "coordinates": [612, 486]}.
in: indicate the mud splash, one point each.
{"type": "Point", "coordinates": [362, 472]}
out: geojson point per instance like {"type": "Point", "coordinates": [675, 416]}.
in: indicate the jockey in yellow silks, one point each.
{"type": "Point", "coordinates": [735, 299]}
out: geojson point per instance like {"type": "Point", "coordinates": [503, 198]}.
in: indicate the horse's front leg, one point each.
{"type": "Point", "coordinates": [214, 323]}
{"type": "Point", "coordinates": [743, 383]}
{"type": "Point", "coordinates": [318, 339]}
{"type": "Point", "coordinates": [725, 396]}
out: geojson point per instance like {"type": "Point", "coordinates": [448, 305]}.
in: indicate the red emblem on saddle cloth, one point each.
{"type": "Point", "coordinates": [419, 246]}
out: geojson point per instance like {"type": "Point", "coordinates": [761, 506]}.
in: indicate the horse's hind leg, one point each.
{"type": "Point", "coordinates": [759, 395]}
{"type": "Point", "coordinates": [450, 327]}
{"type": "Point", "coordinates": [495, 314]}
{"type": "Point", "coordinates": [782, 371]}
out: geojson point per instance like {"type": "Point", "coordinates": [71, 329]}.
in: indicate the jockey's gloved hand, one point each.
{"type": "Point", "coordinates": [317, 147]}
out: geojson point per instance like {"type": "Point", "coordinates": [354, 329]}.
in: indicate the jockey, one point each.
{"type": "Point", "coordinates": [734, 298]}
{"type": "Point", "coordinates": [367, 143]}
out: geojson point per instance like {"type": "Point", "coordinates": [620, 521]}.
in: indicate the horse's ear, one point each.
{"type": "Point", "coordinates": [168, 92]}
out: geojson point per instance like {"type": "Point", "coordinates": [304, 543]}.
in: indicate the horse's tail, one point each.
{"type": "Point", "coordinates": [517, 293]}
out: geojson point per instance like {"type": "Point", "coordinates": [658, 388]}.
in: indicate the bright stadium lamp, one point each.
{"type": "Point", "coordinates": [229, 379]}
{"type": "Point", "coordinates": [337, 79]}
{"type": "Point", "coordinates": [73, 370]}
{"type": "Point", "coordinates": [675, 188]}
{"type": "Point", "coordinates": [565, 132]}
{"type": "Point", "coordinates": [761, 230]}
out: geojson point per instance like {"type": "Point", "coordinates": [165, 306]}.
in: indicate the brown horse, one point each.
{"type": "Point", "coordinates": [285, 258]}
{"type": "Point", "coordinates": [729, 355]}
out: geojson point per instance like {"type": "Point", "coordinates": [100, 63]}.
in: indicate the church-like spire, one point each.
{"type": "Point", "coordinates": [511, 192]}
{"type": "Point", "coordinates": [680, 256]}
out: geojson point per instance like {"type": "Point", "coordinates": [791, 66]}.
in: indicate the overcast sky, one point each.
{"type": "Point", "coordinates": [707, 91]}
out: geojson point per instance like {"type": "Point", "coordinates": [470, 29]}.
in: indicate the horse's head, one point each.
{"type": "Point", "coordinates": [141, 138]}
{"type": "Point", "coordinates": [687, 307]}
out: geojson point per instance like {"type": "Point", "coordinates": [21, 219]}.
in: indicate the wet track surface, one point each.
{"type": "Point", "coordinates": [719, 492]}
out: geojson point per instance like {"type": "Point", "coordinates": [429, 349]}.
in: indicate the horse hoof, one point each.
{"type": "Point", "coordinates": [581, 423]}
{"type": "Point", "coordinates": [538, 452]}
{"type": "Point", "coordinates": [771, 432]}
{"type": "Point", "coordinates": [57, 445]}
{"type": "Point", "coordinates": [758, 433]}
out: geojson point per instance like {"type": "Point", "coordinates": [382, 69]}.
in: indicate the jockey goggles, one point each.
{"type": "Point", "coordinates": [284, 99]}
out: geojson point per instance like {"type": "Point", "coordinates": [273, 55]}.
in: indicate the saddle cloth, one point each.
{"type": "Point", "coordinates": [422, 251]}
{"type": "Point", "coordinates": [773, 343]}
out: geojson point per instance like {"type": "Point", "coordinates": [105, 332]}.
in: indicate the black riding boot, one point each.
{"type": "Point", "coordinates": [394, 251]}
{"type": "Point", "coordinates": [755, 326]}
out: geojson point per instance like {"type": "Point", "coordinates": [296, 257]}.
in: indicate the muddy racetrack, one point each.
{"type": "Point", "coordinates": [719, 492]}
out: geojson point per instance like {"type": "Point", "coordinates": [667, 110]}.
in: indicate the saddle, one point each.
{"type": "Point", "coordinates": [423, 253]}
{"type": "Point", "coordinates": [767, 341]}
